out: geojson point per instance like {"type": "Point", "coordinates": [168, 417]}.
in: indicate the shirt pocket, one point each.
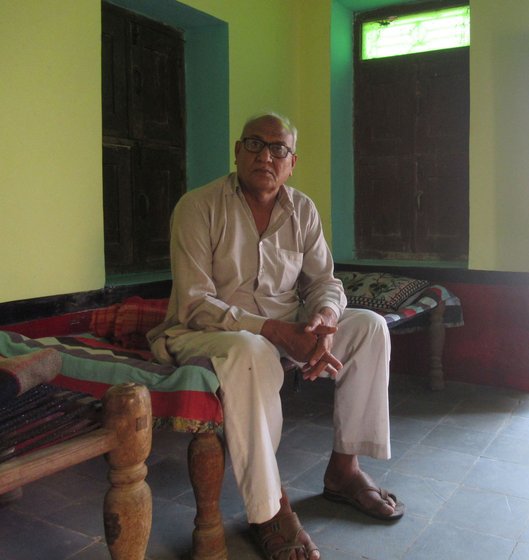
{"type": "Point", "coordinates": [289, 265]}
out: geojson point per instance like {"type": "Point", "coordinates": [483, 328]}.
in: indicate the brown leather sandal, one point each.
{"type": "Point", "coordinates": [280, 536]}
{"type": "Point", "coordinates": [352, 499]}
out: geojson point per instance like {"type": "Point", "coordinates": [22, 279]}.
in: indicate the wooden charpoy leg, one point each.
{"type": "Point", "coordinates": [206, 471]}
{"type": "Point", "coordinates": [437, 341]}
{"type": "Point", "coordinates": [128, 503]}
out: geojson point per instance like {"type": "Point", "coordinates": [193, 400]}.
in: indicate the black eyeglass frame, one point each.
{"type": "Point", "coordinates": [269, 145]}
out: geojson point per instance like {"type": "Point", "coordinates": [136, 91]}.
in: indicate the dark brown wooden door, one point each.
{"type": "Point", "coordinates": [117, 204]}
{"type": "Point", "coordinates": [411, 156]}
{"type": "Point", "coordinates": [143, 138]}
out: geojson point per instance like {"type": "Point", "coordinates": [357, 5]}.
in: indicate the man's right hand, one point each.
{"type": "Point", "coordinates": [301, 344]}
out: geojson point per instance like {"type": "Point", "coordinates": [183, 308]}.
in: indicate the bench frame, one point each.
{"type": "Point", "coordinates": [125, 440]}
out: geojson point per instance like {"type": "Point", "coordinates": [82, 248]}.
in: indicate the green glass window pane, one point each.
{"type": "Point", "coordinates": [428, 31]}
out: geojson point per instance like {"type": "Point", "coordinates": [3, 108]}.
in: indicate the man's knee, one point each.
{"type": "Point", "coordinates": [253, 364]}
{"type": "Point", "coordinates": [377, 322]}
{"type": "Point", "coordinates": [365, 318]}
{"type": "Point", "coordinates": [359, 326]}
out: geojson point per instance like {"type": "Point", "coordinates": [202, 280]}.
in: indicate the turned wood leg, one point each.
{"type": "Point", "coordinates": [206, 471]}
{"type": "Point", "coordinates": [437, 341]}
{"type": "Point", "coordinates": [13, 495]}
{"type": "Point", "coordinates": [128, 503]}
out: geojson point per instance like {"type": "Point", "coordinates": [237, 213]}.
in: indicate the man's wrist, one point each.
{"type": "Point", "coordinates": [330, 314]}
{"type": "Point", "coordinates": [269, 330]}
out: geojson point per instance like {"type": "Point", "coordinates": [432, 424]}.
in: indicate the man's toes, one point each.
{"type": "Point", "coordinates": [385, 506]}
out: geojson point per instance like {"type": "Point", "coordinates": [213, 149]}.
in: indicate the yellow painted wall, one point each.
{"type": "Point", "coordinates": [260, 39]}
{"type": "Point", "coordinates": [279, 60]}
{"type": "Point", "coordinates": [314, 103]}
{"type": "Point", "coordinates": [51, 222]}
{"type": "Point", "coordinates": [499, 125]}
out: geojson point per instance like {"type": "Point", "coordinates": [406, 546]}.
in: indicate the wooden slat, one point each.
{"type": "Point", "coordinates": [28, 468]}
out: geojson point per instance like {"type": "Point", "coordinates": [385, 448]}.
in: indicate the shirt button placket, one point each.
{"type": "Point", "coordinates": [261, 266]}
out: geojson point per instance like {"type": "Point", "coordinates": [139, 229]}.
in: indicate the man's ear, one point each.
{"type": "Point", "coordinates": [238, 145]}
{"type": "Point", "coordinates": [294, 160]}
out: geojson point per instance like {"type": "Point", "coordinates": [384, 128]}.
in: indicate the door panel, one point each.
{"type": "Point", "coordinates": [117, 177]}
{"type": "Point", "coordinates": [114, 75]}
{"type": "Point", "coordinates": [383, 126]}
{"type": "Point", "coordinates": [385, 206]}
{"type": "Point", "coordinates": [161, 184]}
{"type": "Point", "coordinates": [155, 91]}
{"type": "Point", "coordinates": [443, 102]}
{"type": "Point", "coordinates": [442, 214]}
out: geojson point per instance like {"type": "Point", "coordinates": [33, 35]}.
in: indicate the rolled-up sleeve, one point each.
{"type": "Point", "coordinates": [317, 285]}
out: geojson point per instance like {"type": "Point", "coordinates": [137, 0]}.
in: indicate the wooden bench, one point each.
{"type": "Point", "coordinates": [407, 304]}
{"type": "Point", "coordinates": [124, 437]}
{"type": "Point", "coordinates": [190, 407]}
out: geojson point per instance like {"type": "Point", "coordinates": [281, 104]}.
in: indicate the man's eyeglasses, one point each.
{"type": "Point", "coordinates": [255, 146]}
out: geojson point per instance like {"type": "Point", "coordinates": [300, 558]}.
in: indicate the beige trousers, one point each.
{"type": "Point", "coordinates": [250, 374]}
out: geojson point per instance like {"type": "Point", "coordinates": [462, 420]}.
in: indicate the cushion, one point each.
{"type": "Point", "coordinates": [20, 373]}
{"type": "Point", "coordinates": [127, 323]}
{"type": "Point", "coordinates": [379, 291]}
{"type": "Point", "coordinates": [103, 321]}
{"type": "Point", "coordinates": [136, 317]}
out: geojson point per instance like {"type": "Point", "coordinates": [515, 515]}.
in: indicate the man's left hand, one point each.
{"type": "Point", "coordinates": [321, 358]}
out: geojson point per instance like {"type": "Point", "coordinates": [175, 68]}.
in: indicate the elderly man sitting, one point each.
{"type": "Point", "coordinates": [252, 282]}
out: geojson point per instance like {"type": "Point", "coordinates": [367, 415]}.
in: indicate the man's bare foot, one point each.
{"type": "Point", "coordinates": [283, 537]}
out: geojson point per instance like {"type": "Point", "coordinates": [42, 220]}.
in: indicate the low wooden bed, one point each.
{"type": "Point", "coordinates": [182, 397]}
{"type": "Point", "coordinates": [120, 429]}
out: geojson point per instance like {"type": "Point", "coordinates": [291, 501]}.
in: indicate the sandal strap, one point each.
{"type": "Point", "coordinates": [367, 489]}
{"type": "Point", "coordinates": [382, 492]}
{"type": "Point", "coordinates": [274, 526]}
{"type": "Point", "coordinates": [288, 527]}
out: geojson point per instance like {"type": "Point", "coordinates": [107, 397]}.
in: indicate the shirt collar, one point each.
{"type": "Point", "coordinates": [284, 197]}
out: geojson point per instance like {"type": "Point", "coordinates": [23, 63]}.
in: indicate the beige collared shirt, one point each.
{"type": "Point", "coordinates": [228, 277]}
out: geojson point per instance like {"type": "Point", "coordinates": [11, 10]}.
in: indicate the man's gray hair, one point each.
{"type": "Point", "coordinates": [285, 121]}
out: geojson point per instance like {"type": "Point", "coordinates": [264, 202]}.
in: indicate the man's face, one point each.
{"type": "Point", "coordinates": [261, 172]}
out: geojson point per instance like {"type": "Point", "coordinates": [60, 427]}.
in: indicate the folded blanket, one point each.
{"type": "Point", "coordinates": [23, 372]}
{"type": "Point", "coordinates": [185, 395]}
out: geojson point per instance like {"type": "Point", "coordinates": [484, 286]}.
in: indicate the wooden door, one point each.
{"type": "Point", "coordinates": [411, 156]}
{"type": "Point", "coordinates": [143, 138]}
{"type": "Point", "coordinates": [384, 174]}
{"type": "Point", "coordinates": [441, 155]}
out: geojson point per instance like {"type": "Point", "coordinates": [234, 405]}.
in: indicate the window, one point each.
{"type": "Point", "coordinates": [413, 33]}
{"type": "Point", "coordinates": [144, 164]}
{"type": "Point", "coordinates": [411, 126]}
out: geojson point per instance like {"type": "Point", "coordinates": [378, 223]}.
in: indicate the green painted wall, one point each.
{"type": "Point", "coordinates": [287, 55]}
{"type": "Point", "coordinates": [342, 168]}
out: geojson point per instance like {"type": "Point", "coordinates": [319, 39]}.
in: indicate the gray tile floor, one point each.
{"type": "Point", "coordinates": [460, 463]}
